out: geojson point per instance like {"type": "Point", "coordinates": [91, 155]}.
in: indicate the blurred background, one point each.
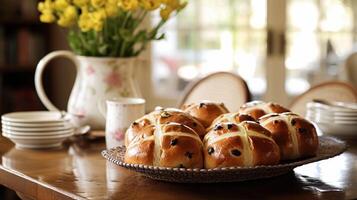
{"type": "Point", "coordinates": [281, 48]}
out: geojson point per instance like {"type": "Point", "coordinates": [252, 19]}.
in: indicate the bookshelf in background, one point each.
{"type": "Point", "coordinates": [23, 42]}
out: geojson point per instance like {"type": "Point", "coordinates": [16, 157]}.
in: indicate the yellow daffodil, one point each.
{"type": "Point", "coordinates": [84, 22]}
{"type": "Point", "coordinates": [60, 4]}
{"type": "Point", "coordinates": [81, 3]}
{"type": "Point", "coordinates": [46, 9]}
{"type": "Point", "coordinates": [128, 4]}
{"type": "Point", "coordinates": [97, 20]}
{"type": "Point", "coordinates": [100, 26]}
{"type": "Point", "coordinates": [166, 12]}
{"type": "Point", "coordinates": [47, 18]}
{"type": "Point", "coordinates": [71, 12]}
{"type": "Point", "coordinates": [90, 15]}
{"type": "Point", "coordinates": [68, 17]}
{"type": "Point", "coordinates": [84, 9]}
{"type": "Point", "coordinates": [46, 5]}
{"type": "Point", "coordinates": [150, 4]}
{"type": "Point", "coordinates": [98, 3]}
{"type": "Point", "coordinates": [111, 9]}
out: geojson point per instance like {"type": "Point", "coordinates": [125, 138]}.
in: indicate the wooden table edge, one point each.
{"type": "Point", "coordinates": [31, 187]}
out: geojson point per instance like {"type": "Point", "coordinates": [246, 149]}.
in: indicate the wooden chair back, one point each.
{"type": "Point", "coordinates": [224, 87]}
{"type": "Point", "coordinates": [330, 91]}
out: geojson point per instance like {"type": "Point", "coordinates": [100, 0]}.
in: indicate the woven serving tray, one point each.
{"type": "Point", "coordinates": [328, 147]}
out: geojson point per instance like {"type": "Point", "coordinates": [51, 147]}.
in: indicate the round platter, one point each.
{"type": "Point", "coordinates": [328, 147]}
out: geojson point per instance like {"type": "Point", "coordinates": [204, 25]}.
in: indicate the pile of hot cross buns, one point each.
{"type": "Point", "coordinates": [207, 135]}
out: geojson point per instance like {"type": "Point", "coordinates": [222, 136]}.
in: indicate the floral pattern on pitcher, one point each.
{"type": "Point", "coordinates": [90, 70]}
{"type": "Point", "coordinates": [119, 135]}
{"type": "Point", "coordinates": [113, 79]}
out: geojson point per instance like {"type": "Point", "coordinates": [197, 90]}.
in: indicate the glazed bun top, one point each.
{"type": "Point", "coordinates": [231, 117]}
{"type": "Point", "coordinates": [228, 127]}
{"type": "Point", "coordinates": [258, 109]}
{"type": "Point", "coordinates": [163, 116]}
{"type": "Point", "coordinates": [205, 111]}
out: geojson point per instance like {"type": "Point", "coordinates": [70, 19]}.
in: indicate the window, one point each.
{"type": "Point", "coordinates": [231, 35]}
{"type": "Point", "coordinates": [320, 36]}
{"type": "Point", "coordinates": [209, 36]}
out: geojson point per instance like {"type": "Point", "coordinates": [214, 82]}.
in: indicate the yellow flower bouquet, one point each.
{"type": "Point", "coordinates": [108, 28]}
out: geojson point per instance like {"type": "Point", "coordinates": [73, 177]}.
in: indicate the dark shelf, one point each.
{"type": "Point", "coordinates": [18, 21]}
{"type": "Point", "coordinates": [25, 40]}
{"type": "Point", "coordinates": [11, 68]}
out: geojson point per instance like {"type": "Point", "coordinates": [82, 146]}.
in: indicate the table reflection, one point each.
{"type": "Point", "coordinates": [80, 169]}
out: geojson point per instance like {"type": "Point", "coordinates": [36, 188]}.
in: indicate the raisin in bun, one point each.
{"type": "Point", "coordinates": [162, 116]}
{"type": "Point", "coordinates": [230, 117]}
{"type": "Point", "coordinates": [205, 111]}
{"type": "Point", "coordinates": [295, 135]}
{"type": "Point", "coordinates": [166, 145]}
{"type": "Point", "coordinates": [244, 144]}
{"type": "Point", "coordinates": [259, 108]}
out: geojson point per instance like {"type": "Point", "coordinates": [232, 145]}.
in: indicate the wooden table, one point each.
{"type": "Point", "coordinates": [78, 171]}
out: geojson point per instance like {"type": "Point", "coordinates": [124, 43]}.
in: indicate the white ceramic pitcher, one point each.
{"type": "Point", "coordinates": [97, 78]}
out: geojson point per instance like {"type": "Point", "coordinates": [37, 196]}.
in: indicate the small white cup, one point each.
{"type": "Point", "coordinates": [120, 113]}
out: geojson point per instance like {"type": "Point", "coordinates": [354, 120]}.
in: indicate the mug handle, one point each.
{"type": "Point", "coordinates": [39, 73]}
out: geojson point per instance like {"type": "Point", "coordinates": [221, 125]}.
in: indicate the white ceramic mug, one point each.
{"type": "Point", "coordinates": [120, 113]}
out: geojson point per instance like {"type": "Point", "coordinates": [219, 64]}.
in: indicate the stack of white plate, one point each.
{"type": "Point", "coordinates": [335, 118]}
{"type": "Point", "coordinates": [37, 129]}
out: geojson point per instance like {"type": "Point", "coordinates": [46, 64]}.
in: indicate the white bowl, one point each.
{"type": "Point", "coordinates": [34, 117]}
{"type": "Point", "coordinates": [24, 142]}
{"type": "Point", "coordinates": [35, 129]}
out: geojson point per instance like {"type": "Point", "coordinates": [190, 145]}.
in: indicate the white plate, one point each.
{"type": "Point", "coordinates": [34, 117]}
{"type": "Point", "coordinates": [35, 129]}
{"type": "Point", "coordinates": [336, 114]}
{"type": "Point", "coordinates": [331, 112]}
{"type": "Point", "coordinates": [312, 105]}
{"type": "Point", "coordinates": [36, 135]}
{"type": "Point", "coordinates": [328, 119]}
{"type": "Point", "coordinates": [37, 146]}
{"type": "Point", "coordinates": [39, 125]}
{"type": "Point", "coordinates": [331, 116]}
{"type": "Point", "coordinates": [348, 105]}
{"type": "Point", "coordinates": [338, 129]}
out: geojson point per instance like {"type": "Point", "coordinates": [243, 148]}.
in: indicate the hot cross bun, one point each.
{"type": "Point", "coordinates": [259, 108]}
{"type": "Point", "coordinates": [166, 145]}
{"type": "Point", "coordinates": [295, 135]}
{"type": "Point", "coordinates": [245, 144]}
{"type": "Point", "coordinates": [205, 111]}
